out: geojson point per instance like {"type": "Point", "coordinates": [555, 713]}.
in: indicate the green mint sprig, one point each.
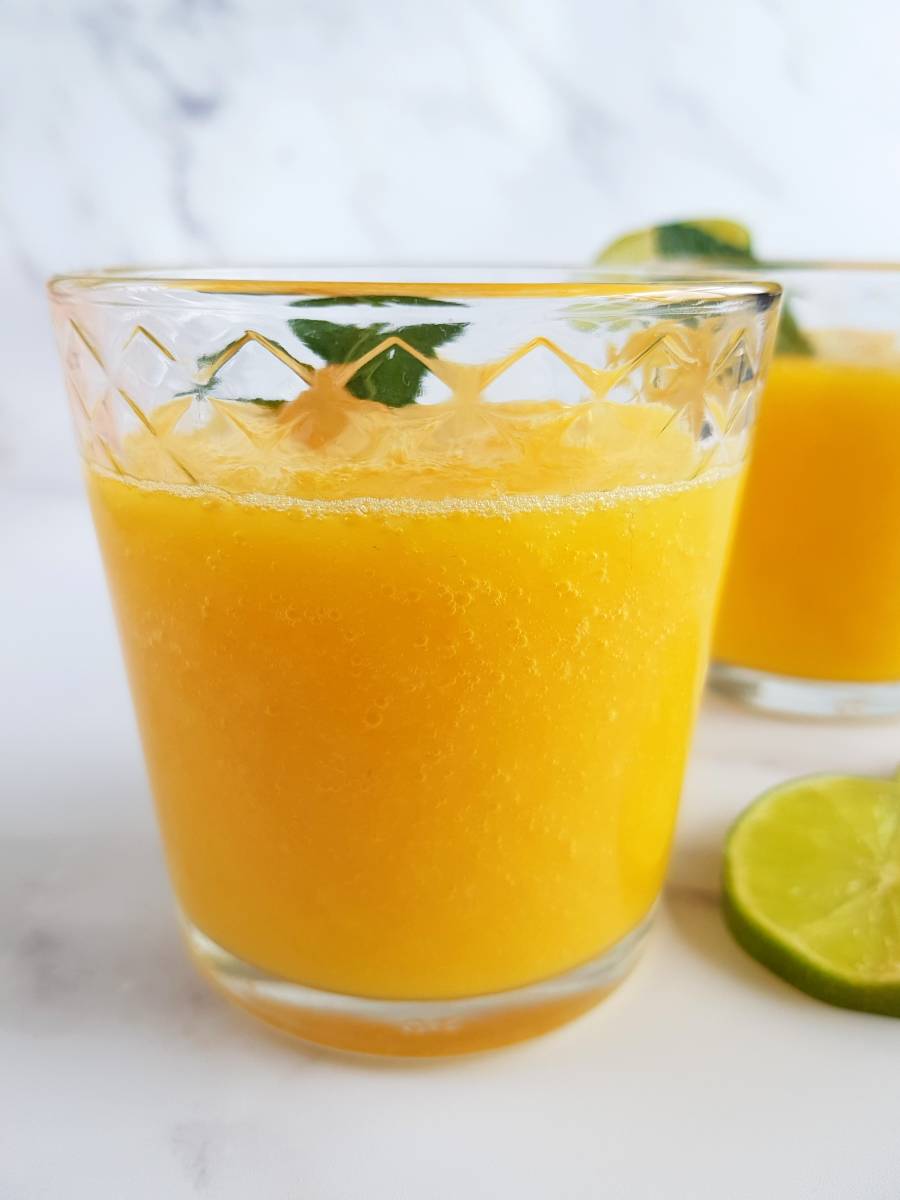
{"type": "Point", "coordinates": [393, 378]}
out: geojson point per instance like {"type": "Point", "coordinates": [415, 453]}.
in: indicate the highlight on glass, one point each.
{"type": "Point", "coordinates": [415, 576]}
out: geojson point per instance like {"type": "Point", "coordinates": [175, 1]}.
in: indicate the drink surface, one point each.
{"type": "Point", "coordinates": [427, 743]}
{"type": "Point", "coordinates": [813, 587]}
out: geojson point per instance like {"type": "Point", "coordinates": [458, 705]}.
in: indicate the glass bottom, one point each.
{"type": "Point", "coordinates": [792, 696]}
{"type": "Point", "coordinates": [416, 1028]}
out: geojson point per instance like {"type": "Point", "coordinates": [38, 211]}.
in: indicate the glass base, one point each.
{"type": "Point", "coordinates": [416, 1028]}
{"type": "Point", "coordinates": [796, 697]}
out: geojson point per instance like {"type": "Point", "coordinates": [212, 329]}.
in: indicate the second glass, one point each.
{"type": "Point", "coordinates": [415, 579]}
{"type": "Point", "coordinates": [810, 615]}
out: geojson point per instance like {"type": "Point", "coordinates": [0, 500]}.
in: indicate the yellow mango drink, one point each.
{"type": "Point", "coordinates": [813, 588]}
{"type": "Point", "coordinates": [810, 617]}
{"type": "Point", "coordinates": [416, 681]}
{"type": "Point", "coordinates": [394, 741]}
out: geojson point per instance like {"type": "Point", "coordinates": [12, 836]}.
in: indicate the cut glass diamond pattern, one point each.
{"type": "Point", "coordinates": [141, 376]}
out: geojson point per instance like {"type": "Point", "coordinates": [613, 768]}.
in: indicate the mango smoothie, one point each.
{"type": "Point", "coordinates": [426, 744]}
{"type": "Point", "coordinates": [415, 580]}
{"type": "Point", "coordinates": [813, 587]}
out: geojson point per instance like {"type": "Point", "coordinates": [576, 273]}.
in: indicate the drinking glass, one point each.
{"type": "Point", "coordinates": [810, 615]}
{"type": "Point", "coordinates": [414, 575]}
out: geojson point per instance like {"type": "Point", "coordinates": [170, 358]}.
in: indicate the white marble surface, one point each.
{"type": "Point", "coordinates": [397, 130]}
{"type": "Point", "coordinates": [122, 1076]}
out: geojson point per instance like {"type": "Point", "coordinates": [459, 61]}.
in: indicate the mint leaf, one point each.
{"type": "Point", "coordinates": [680, 239]}
{"type": "Point", "coordinates": [394, 377]}
{"type": "Point", "coordinates": [790, 338]}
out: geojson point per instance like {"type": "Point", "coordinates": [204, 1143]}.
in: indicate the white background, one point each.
{"type": "Point", "coordinates": [398, 130]}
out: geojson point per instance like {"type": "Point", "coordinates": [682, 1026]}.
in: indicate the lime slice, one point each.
{"type": "Point", "coordinates": [812, 888]}
{"type": "Point", "coordinates": [634, 248]}
{"type": "Point", "coordinates": [714, 238]}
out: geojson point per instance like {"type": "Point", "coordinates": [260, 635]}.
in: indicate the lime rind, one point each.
{"type": "Point", "coordinates": [860, 862]}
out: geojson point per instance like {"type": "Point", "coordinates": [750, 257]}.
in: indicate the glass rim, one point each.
{"type": "Point", "coordinates": [510, 282]}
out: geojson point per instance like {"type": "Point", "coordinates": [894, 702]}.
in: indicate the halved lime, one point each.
{"type": "Point", "coordinates": [812, 887]}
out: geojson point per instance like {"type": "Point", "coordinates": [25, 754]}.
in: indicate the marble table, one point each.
{"type": "Point", "coordinates": [123, 1077]}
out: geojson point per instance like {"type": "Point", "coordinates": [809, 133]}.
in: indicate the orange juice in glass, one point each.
{"type": "Point", "coordinates": [415, 582]}
{"type": "Point", "coordinates": [810, 614]}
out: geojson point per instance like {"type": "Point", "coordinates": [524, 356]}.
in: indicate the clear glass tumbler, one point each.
{"type": "Point", "coordinates": [415, 577]}
{"type": "Point", "coordinates": [810, 616]}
